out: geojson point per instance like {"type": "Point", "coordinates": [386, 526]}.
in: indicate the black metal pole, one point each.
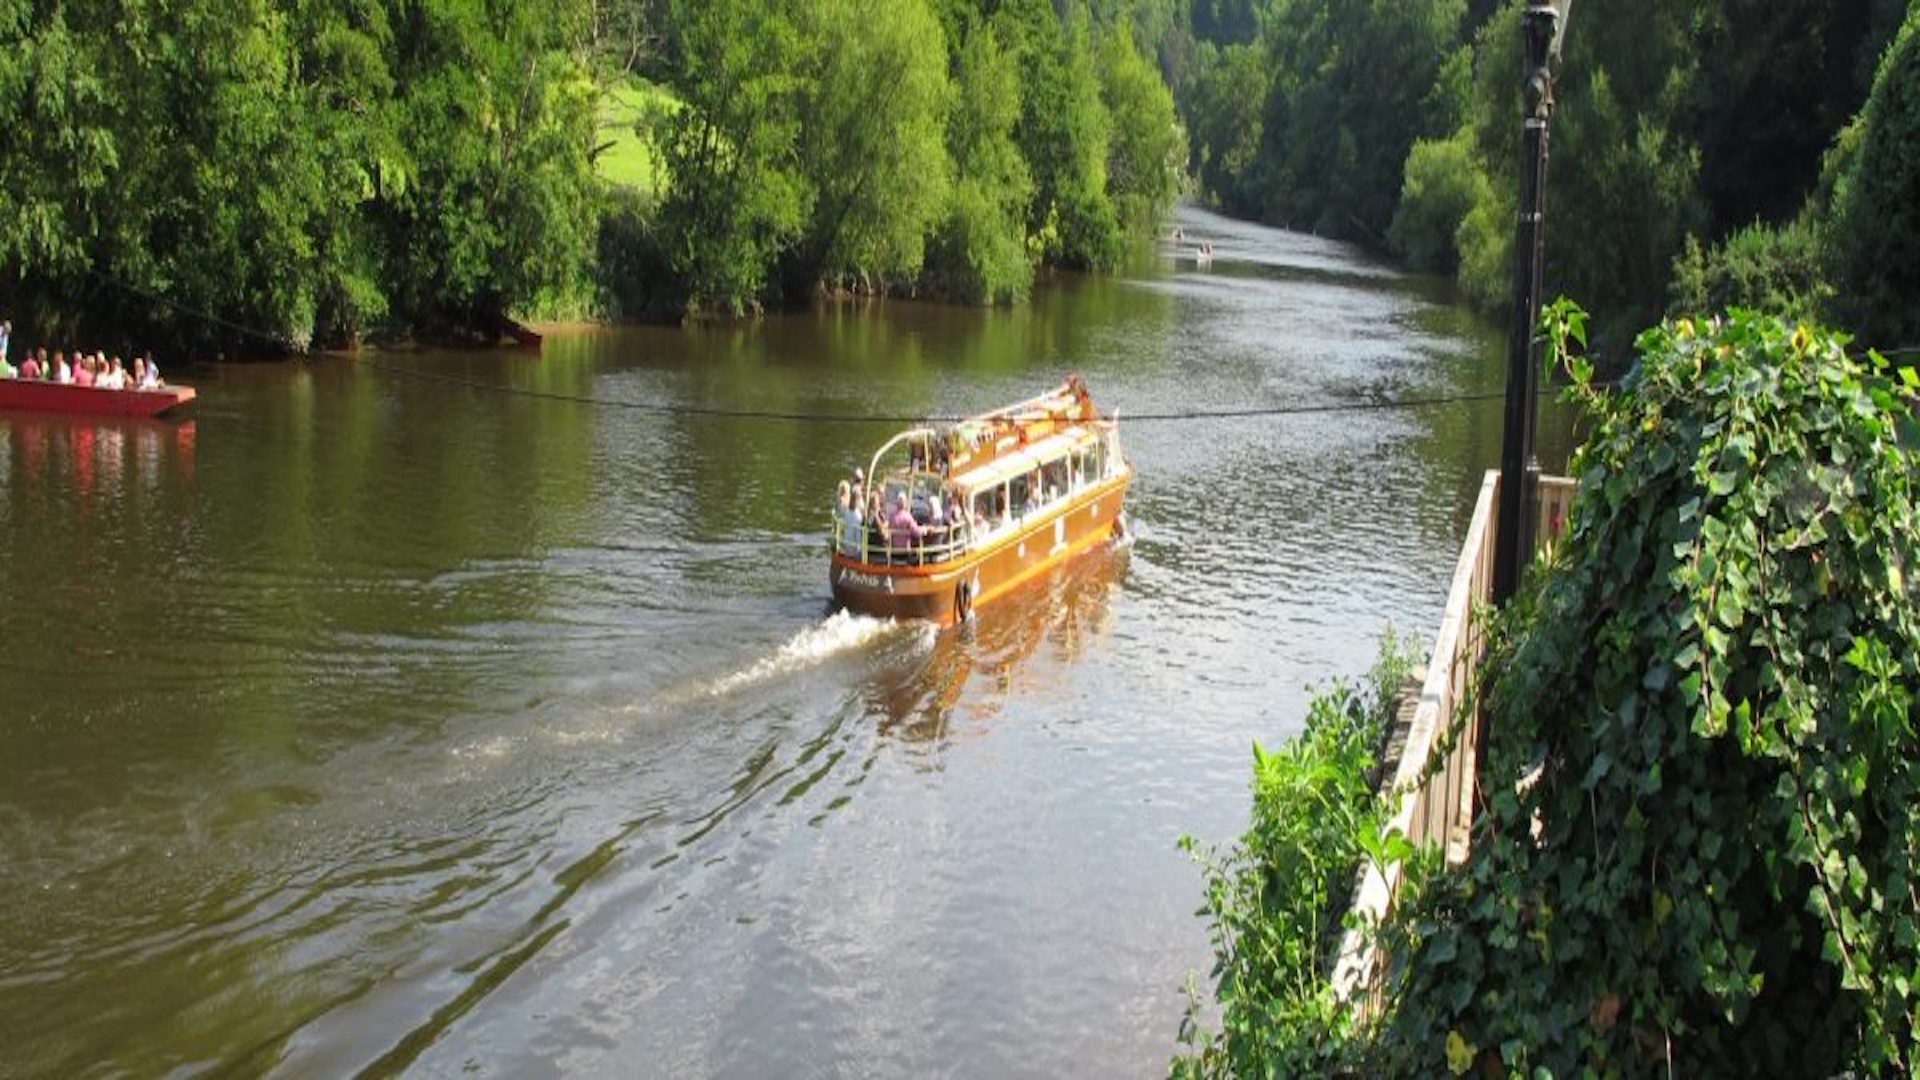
{"type": "Point", "coordinates": [1519, 469]}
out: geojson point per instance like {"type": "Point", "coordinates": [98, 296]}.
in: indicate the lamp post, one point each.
{"type": "Point", "coordinates": [1519, 469]}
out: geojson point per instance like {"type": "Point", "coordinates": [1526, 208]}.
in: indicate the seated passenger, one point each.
{"type": "Point", "coordinates": [31, 369]}
{"type": "Point", "coordinates": [904, 530]}
{"type": "Point", "coordinates": [152, 380]}
{"type": "Point", "coordinates": [117, 376]}
{"type": "Point", "coordinates": [62, 373]}
{"type": "Point", "coordinates": [83, 374]}
{"type": "Point", "coordinates": [880, 531]}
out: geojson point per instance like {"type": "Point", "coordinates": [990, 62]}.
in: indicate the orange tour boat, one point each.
{"type": "Point", "coordinates": [948, 518]}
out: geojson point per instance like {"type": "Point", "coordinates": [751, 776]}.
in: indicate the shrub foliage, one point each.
{"type": "Point", "coordinates": [1699, 848]}
{"type": "Point", "coordinates": [1275, 900]}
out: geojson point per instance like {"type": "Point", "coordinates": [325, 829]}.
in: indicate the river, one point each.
{"type": "Point", "coordinates": [377, 718]}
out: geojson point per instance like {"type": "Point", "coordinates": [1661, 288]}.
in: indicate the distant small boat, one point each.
{"type": "Point", "coordinates": [37, 396]}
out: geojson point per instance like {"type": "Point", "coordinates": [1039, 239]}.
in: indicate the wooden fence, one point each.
{"type": "Point", "coordinates": [1435, 778]}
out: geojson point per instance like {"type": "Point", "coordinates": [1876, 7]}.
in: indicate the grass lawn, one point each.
{"type": "Point", "coordinates": [631, 160]}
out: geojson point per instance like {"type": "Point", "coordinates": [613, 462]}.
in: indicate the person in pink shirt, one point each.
{"type": "Point", "coordinates": [83, 373]}
{"type": "Point", "coordinates": [903, 530]}
{"type": "Point", "coordinates": [30, 368]}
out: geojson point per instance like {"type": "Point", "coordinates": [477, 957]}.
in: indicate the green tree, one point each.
{"type": "Point", "coordinates": [979, 251]}
{"type": "Point", "coordinates": [1443, 184]}
{"type": "Point", "coordinates": [500, 197]}
{"type": "Point", "coordinates": [1145, 148]}
{"type": "Point", "coordinates": [736, 195]}
{"type": "Point", "coordinates": [1352, 93]}
{"type": "Point", "coordinates": [1224, 96]}
{"type": "Point", "coordinates": [1779, 271]}
{"type": "Point", "coordinates": [1876, 226]}
{"type": "Point", "coordinates": [872, 144]}
{"type": "Point", "coordinates": [1063, 133]}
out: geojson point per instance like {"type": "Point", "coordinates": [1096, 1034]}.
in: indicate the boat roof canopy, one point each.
{"type": "Point", "coordinates": [1022, 461]}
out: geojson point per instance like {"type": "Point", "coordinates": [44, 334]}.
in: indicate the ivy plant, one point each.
{"type": "Point", "coordinates": [1700, 818]}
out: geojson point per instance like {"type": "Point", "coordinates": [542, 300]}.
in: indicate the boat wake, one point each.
{"type": "Point", "coordinates": [843, 631]}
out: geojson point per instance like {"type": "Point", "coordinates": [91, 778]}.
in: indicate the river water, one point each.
{"type": "Point", "coordinates": [377, 718]}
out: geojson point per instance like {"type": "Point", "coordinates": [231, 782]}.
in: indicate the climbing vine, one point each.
{"type": "Point", "coordinates": [1701, 815]}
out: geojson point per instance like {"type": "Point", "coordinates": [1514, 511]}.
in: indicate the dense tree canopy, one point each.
{"type": "Point", "coordinates": [906, 144]}
{"type": "Point", "coordinates": [1877, 207]}
{"type": "Point", "coordinates": [212, 174]}
{"type": "Point", "coordinates": [1677, 124]}
{"type": "Point", "coordinates": [254, 175]}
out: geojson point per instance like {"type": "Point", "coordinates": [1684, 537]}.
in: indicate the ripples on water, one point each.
{"type": "Point", "coordinates": [363, 721]}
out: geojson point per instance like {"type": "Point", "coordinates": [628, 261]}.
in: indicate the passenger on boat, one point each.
{"type": "Point", "coordinates": [846, 519]}
{"type": "Point", "coordinates": [31, 368]}
{"type": "Point", "coordinates": [859, 487]}
{"type": "Point", "coordinates": [6, 335]}
{"type": "Point", "coordinates": [117, 376]}
{"type": "Point", "coordinates": [6, 370]}
{"type": "Point", "coordinates": [83, 373]}
{"type": "Point", "coordinates": [880, 531]}
{"type": "Point", "coordinates": [62, 373]}
{"type": "Point", "coordinates": [901, 526]}
{"type": "Point", "coordinates": [151, 380]}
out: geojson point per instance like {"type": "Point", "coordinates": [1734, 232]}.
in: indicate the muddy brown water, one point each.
{"type": "Point", "coordinates": [373, 721]}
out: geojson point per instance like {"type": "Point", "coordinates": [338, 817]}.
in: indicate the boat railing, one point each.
{"type": "Point", "coordinates": [1434, 783]}
{"type": "Point", "coordinates": [927, 548]}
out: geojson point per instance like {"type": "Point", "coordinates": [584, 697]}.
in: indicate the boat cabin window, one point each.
{"type": "Point", "coordinates": [1053, 479]}
{"type": "Point", "coordinates": [1020, 491]}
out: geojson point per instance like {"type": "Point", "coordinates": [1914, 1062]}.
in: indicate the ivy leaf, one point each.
{"type": "Point", "coordinates": [1460, 1053]}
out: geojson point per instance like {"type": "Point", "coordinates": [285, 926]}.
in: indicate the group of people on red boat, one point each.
{"type": "Point", "coordinates": [84, 369]}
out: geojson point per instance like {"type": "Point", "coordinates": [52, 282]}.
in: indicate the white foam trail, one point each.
{"type": "Point", "coordinates": [841, 632]}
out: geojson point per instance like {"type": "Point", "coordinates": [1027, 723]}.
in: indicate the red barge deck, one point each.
{"type": "Point", "coordinates": [36, 396]}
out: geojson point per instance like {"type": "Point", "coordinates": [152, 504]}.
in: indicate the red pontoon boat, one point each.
{"type": "Point", "coordinates": [37, 396]}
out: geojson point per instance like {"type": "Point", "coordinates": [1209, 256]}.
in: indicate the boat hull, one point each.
{"type": "Point", "coordinates": [938, 592]}
{"type": "Point", "coordinates": [28, 394]}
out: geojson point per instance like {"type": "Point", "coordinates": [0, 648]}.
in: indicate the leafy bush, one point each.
{"type": "Point", "coordinates": [1485, 242]}
{"type": "Point", "coordinates": [1698, 850]}
{"type": "Point", "coordinates": [1776, 271]}
{"type": "Point", "coordinates": [1443, 184]}
{"type": "Point", "coordinates": [1275, 900]}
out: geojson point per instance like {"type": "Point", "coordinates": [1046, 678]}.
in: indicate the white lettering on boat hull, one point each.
{"type": "Point", "coordinates": [865, 581]}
